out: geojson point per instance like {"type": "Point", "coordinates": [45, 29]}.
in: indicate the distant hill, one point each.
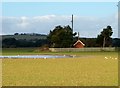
{"type": "Point", "coordinates": [26, 36]}
{"type": "Point", "coordinates": [39, 40]}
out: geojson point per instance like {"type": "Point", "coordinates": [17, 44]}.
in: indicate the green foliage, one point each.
{"type": "Point", "coordinates": [12, 43]}
{"type": "Point", "coordinates": [104, 39]}
{"type": "Point", "coordinates": [23, 40]}
{"type": "Point", "coordinates": [61, 37]}
{"type": "Point", "coordinates": [9, 42]}
{"type": "Point", "coordinates": [107, 32]}
{"type": "Point", "coordinates": [25, 36]}
{"type": "Point", "coordinates": [99, 40]}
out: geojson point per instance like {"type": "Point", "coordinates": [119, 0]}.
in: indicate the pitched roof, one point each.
{"type": "Point", "coordinates": [78, 42]}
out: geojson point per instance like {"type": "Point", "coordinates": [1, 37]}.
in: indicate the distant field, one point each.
{"type": "Point", "coordinates": [89, 69]}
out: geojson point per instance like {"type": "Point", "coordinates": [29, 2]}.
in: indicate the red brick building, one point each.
{"type": "Point", "coordinates": [79, 44]}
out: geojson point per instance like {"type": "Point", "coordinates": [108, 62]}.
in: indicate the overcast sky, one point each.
{"type": "Point", "coordinates": [41, 17]}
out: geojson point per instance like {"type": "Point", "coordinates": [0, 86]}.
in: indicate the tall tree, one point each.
{"type": "Point", "coordinates": [104, 39]}
{"type": "Point", "coordinates": [61, 37]}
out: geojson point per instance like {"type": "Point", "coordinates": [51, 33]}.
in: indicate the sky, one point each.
{"type": "Point", "coordinates": [41, 17]}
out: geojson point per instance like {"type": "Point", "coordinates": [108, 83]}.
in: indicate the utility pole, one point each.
{"type": "Point", "coordinates": [72, 23]}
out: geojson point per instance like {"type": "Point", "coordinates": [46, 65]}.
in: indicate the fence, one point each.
{"type": "Point", "coordinates": [82, 49]}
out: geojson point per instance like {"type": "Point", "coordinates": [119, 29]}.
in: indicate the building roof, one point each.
{"type": "Point", "coordinates": [78, 42]}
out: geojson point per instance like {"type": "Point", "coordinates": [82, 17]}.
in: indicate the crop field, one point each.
{"type": "Point", "coordinates": [88, 69]}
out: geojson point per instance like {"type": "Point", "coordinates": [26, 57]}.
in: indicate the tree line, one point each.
{"type": "Point", "coordinates": [63, 37]}
{"type": "Point", "coordinates": [14, 43]}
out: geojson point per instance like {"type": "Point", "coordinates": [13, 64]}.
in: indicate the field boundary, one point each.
{"type": "Point", "coordinates": [82, 49]}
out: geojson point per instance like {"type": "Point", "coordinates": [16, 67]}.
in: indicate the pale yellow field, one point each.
{"type": "Point", "coordinates": [94, 70]}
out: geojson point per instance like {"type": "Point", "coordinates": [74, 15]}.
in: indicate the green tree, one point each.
{"type": "Point", "coordinates": [61, 37]}
{"type": "Point", "coordinates": [104, 39]}
{"type": "Point", "coordinates": [9, 42]}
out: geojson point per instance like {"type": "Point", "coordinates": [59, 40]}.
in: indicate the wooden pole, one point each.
{"type": "Point", "coordinates": [72, 23]}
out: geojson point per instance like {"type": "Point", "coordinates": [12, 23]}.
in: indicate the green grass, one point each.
{"type": "Point", "coordinates": [36, 51]}
{"type": "Point", "coordinates": [90, 69]}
